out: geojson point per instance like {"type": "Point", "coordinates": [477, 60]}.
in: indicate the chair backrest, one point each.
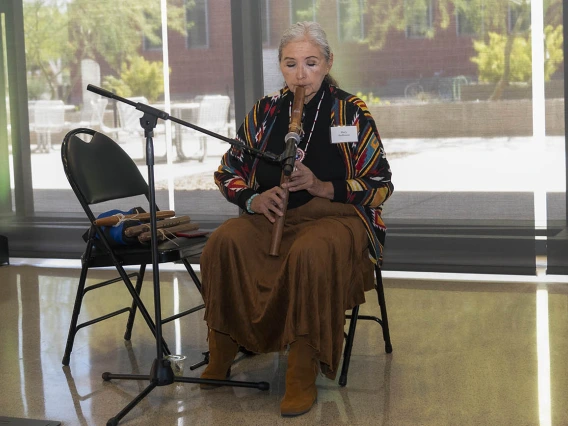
{"type": "Point", "coordinates": [49, 115]}
{"type": "Point", "coordinates": [213, 111]}
{"type": "Point", "coordinates": [129, 117]}
{"type": "Point", "coordinates": [99, 170]}
{"type": "Point", "coordinates": [98, 113]}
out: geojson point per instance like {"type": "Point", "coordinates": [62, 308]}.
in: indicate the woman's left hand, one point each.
{"type": "Point", "coordinates": [303, 178]}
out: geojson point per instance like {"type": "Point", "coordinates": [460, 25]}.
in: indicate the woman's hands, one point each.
{"type": "Point", "coordinates": [303, 178]}
{"type": "Point", "coordinates": [270, 203]}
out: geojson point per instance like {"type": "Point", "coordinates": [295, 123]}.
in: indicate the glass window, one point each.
{"type": "Point", "coordinates": [350, 20]}
{"type": "Point", "coordinates": [197, 23]}
{"type": "Point", "coordinates": [519, 18]}
{"type": "Point", "coordinates": [468, 170]}
{"type": "Point", "coordinates": [302, 10]}
{"type": "Point", "coordinates": [460, 144]}
{"type": "Point", "coordinates": [95, 45]}
{"type": "Point", "coordinates": [418, 17]}
{"type": "Point", "coordinates": [468, 18]}
{"type": "Point", "coordinates": [153, 35]}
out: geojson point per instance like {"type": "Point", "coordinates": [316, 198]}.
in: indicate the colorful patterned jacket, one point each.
{"type": "Point", "coordinates": [367, 183]}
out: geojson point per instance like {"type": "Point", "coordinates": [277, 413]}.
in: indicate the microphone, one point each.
{"type": "Point", "coordinates": [100, 91]}
{"type": "Point", "coordinates": [292, 139]}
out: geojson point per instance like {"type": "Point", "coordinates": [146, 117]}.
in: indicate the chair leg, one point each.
{"type": "Point", "coordinates": [192, 274]}
{"type": "Point", "coordinates": [348, 346]}
{"type": "Point", "coordinates": [383, 307]}
{"type": "Point", "coordinates": [138, 301]}
{"type": "Point", "coordinates": [383, 321]}
{"type": "Point", "coordinates": [195, 308]}
{"type": "Point", "coordinates": [75, 316]}
{"type": "Point", "coordinates": [202, 148]}
{"type": "Point", "coordinates": [130, 322]}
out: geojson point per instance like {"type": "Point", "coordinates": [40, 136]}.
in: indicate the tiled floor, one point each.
{"type": "Point", "coordinates": [466, 352]}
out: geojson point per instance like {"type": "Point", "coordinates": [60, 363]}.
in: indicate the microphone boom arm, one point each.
{"type": "Point", "coordinates": [147, 109]}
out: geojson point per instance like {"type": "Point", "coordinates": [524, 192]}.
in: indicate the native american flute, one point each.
{"type": "Point", "coordinates": [292, 140]}
{"type": "Point", "coordinates": [142, 217]}
{"type": "Point", "coordinates": [134, 231]}
{"type": "Point", "coordinates": [169, 232]}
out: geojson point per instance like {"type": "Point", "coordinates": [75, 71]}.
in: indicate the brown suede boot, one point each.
{"type": "Point", "coordinates": [301, 392]}
{"type": "Point", "coordinates": [222, 351]}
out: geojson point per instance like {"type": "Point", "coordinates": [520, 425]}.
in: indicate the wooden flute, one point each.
{"type": "Point", "coordinates": [292, 140]}
{"type": "Point", "coordinates": [142, 217]}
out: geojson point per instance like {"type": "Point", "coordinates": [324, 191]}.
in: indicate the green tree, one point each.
{"type": "Point", "coordinates": [47, 46]}
{"type": "Point", "coordinates": [490, 58]}
{"type": "Point", "coordinates": [138, 77]}
{"type": "Point", "coordinates": [61, 33]}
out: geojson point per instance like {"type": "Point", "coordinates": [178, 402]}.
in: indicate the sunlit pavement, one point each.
{"type": "Point", "coordinates": [456, 164]}
{"type": "Point", "coordinates": [477, 164]}
{"type": "Point", "coordinates": [47, 169]}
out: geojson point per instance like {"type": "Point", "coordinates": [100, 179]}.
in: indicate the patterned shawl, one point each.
{"type": "Point", "coordinates": [367, 182]}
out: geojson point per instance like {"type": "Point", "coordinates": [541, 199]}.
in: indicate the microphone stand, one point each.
{"type": "Point", "coordinates": [161, 373]}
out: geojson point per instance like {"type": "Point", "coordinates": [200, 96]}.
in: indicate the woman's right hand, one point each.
{"type": "Point", "coordinates": [270, 203]}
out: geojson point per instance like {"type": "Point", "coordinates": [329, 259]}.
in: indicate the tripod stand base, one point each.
{"type": "Point", "coordinates": [162, 374]}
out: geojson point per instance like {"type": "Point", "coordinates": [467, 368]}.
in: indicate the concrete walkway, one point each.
{"type": "Point", "coordinates": [514, 164]}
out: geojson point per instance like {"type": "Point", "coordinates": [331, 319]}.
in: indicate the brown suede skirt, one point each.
{"type": "Point", "coordinates": [264, 302]}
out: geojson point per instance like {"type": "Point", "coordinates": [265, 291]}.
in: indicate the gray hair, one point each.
{"type": "Point", "coordinates": [312, 31]}
{"type": "Point", "coordinates": [306, 29]}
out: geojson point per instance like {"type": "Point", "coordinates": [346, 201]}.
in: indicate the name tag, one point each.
{"type": "Point", "coordinates": [342, 134]}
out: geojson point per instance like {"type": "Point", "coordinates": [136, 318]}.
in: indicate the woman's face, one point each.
{"type": "Point", "coordinates": [303, 64]}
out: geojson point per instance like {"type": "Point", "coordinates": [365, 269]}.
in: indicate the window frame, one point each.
{"type": "Point", "coordinates": [265, 25]}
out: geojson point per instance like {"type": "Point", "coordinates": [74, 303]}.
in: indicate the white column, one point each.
{"type": "Point", "coordinates": [538, 114]}
{"type": "Point", "coordinates": [167, 107]}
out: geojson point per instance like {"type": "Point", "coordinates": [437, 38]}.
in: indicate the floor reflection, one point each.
{"type": "Point", "coordinates": [465, 352]}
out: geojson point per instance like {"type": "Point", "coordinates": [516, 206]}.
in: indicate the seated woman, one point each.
{"type": "Point", "coordinates": [333, 231]}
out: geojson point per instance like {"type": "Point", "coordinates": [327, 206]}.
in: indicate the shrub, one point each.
{"type": "Point", "coordinates": [490, 58]}
{"type": "Point", "coordinates": [138, 77]}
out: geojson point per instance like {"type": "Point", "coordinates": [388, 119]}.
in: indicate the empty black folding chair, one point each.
{"type": "Point", "coordinates": [100, 171]}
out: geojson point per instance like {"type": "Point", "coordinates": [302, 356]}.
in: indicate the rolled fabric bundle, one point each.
{"type": "Point", "coordinates": [116, 234]}
{"type": "Point", "coordinates": [165, 233]}
{"type": "Point", "coordinates": [134, 231]}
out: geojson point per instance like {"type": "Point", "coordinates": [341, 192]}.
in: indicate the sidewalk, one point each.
{"type": "Point", "coordinates": [440, 178]}
{"type": "Point", "coordinates": [47, 169]}
{"type": "Point", "coordinates": [515, 164]}
{"type": "Point", "coordinates": [456, 164]}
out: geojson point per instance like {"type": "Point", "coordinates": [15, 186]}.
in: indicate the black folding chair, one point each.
{"type": "Point", "coordinates": [100, 171]}
{"type": "Point", "coordinates": [383, 321]}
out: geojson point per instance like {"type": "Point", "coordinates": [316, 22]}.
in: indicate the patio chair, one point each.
{"type": "Point", "coordinates": [212, 115]}
{"type": "Point", "coordinates": [92, 113]}
{"type": "Point", "coordinates": [129, 128]}
{"type": "Point", "coordinates": [48, 118]}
